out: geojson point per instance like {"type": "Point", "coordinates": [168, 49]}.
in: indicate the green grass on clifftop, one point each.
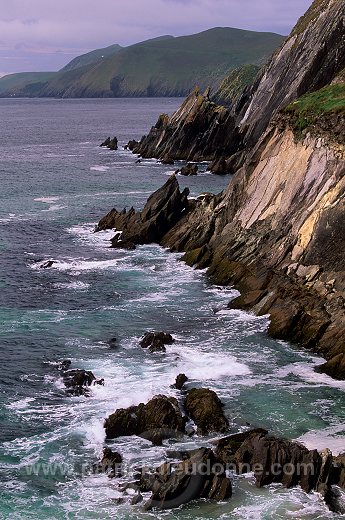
{"type": "Point", "coordinates": [307, 110]}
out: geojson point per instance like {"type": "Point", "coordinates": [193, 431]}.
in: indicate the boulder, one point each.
{"type": "Point", "coordinates": [131, 145]}
{"type": "Point", "coordinates": [173, 485]}
{"type": "Point", "coordinates": [77, 381]}
{"type": "Point", "coordinates": [226, 447]}
{"type": "Point", "coordinates": [162, 211]}
{"type": "Point", "coordinates": [156, 341]}
{"type": "Point", "coordinates": [204, 407]}
{"type": "Point", "coordinates": [160, 418]}
{"type": "Point", "coordinates": [110, 463]}
{"type": "Point", "coordinates": [181, 379]}
{"type": "Point", "coordinates": [189, 169]}
{"type": "Point", "coordinates": [110, 143]}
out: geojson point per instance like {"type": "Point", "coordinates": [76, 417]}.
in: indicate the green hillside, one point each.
{"type": "Point", "coordinates": [91, 57]}
{"type": "Point", "coordinates": [14, 82]}
{"type": "Point", "coordinates": [164, 66]}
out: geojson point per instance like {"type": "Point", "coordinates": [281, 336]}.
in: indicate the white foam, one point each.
{"type": "Point", "coordinates": [85, 233]}
{"type": "Point", "coordinates": [21, 404]}
{"type": "Point", "coordinates": [75, 265]}
{"type": "Point", "coordinates": [76, 286]}
{"type": "Point", "coordinates": [54, 207]}
{"type": "Point", "coordinates": [332, 438]}
{"type": "Point", "coordinates": [98, 168]}
{"type": "Point", "coordinates": [47, 200]}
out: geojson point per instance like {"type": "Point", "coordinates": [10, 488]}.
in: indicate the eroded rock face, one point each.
{"type": "Point", "coordinates": [162, 211]}
{"type": "Point", "coordinates": [159, 418]}
{"type": "Point", "coordinates": [175, 484]}
{"type": "Point", "coordinates": [199, 130]}
{"type": "Point", "coordinates": [205, 408]}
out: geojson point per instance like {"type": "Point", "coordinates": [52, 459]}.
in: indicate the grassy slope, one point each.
{"type": "Point", "coordinates": [234, 83]}
{"type": "Point", "coordinates": [91, 57]}
{"type": "Point", "coordinates": [307, 110]}
{"type": "Point", "coordinates": [18, 81]}
{"type": "Point", "coordinates": [166, 66]}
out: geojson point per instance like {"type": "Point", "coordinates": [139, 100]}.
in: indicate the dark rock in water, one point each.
{"type": "Point", "coordinates": [181, 379]}
{"type": "Point", "coordinates": [137, 499]}
{"type": "Point", "coordinates": [64, 365]}
{"type": "Point", "coordinates": [273, 458]}
{"type": "Point", "coordinates": [47, 264]}
{"type": "Point", "coordinates": [99, 382]}
{"type": "Point", "coordinates": [110, 463]}
{"type": "Point", "coordinates": [189, 169]}
{"type": "Point", "coordinates": [167, 160]}
{"type": "Point", "coordinates": [112, 342]}
{"type": "Point", "coordinates": [110, 143]}
{"type": "Point", "coordinates": [173, 485]}
{"type": "Point", "coordinates": [155, 341]}
{"type": "Point", "coordinates": [147, 420]}
{"type": "Point", "coordinates": [204, 407]}
{"type": "Point", "coordinates": [335, 367]}
{"type": "Point", "coordinates": [162, 211]}
{"type": "Point", "coordinates": [131, 145]}
{"type": "Point", "coordinates": [138, 161]}
{"type": "Point", "coordinates": [78, 380]}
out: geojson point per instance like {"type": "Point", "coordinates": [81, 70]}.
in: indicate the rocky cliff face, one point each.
{"type": "Point", "coordinates": [277, 232]}
{"type": "Point", "coordinates": [199, 130]}
{"type": "Point", "coordinates": [309, 59]}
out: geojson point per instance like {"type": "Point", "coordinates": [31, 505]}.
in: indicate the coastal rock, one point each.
{"type": "Point", "coordinates": [158, 419]}
{"type": "Point", "coordinates": [47, 264]}
{"type": "Point", "coordinates": [173, 485]}
{"type": "Point", "coordinates": [335, 367]}
{"type": "Point", "coordinates": [156, 341]}
{"type": "Point", "coordinates": [161, 212]}
{"type": "Point", "coordinates": [110, 463]}
{"type": "Point", "coordinates": [112, 144]}
{"type": "Point", "coordinates": [181, 379]}
{"type": "Point", "coordinates": [189, 169]}
{"type": "Point", "coordinates": [77, 381]}
{"type": "Point", "coordinates": [204, 407]}
{"type": "Point", "coordinates": [226, 447]}
{"type": "Point", "coordinates": [198, 131]}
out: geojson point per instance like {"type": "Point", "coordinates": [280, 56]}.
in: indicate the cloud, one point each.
{"type": "Point", "coordinates": [37, 28]}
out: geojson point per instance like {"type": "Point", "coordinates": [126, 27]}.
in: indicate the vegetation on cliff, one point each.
{"type": "Point", "coordinates": [234, 83]}
{"type": "Point", "coordinates": [307, 112]}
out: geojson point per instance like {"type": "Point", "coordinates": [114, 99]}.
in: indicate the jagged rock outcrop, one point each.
{"type": "Point", "coordinates": [199, 130]}
{"type": "Point", "coordinates": [310, 58]}
{"type": "Point", "coordinates": [175, 484]}
{"type": "Point", "coordinates": [112, 144]}
{"type": "Point", "coordinates": [156, 341]}
{"type": "Point", "coordinates": [162, 211]}
{"type": "Point", "coordinates": [160, 418]}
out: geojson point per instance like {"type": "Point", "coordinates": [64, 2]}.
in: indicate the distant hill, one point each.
{"type": "Point", "coordinates": [164, 66]}
{"type": "Point", "coordinates": [91, 57]}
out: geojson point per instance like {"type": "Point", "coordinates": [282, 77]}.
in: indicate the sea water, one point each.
{"type": "Point", "coordinates": [55, 184]}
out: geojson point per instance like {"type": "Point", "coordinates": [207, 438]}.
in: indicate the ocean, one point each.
{"type": "Point", "coordinates": [56, 183]}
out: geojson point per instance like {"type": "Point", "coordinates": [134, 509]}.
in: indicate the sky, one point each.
{"type": "Point", "coordinates": [44, 35]}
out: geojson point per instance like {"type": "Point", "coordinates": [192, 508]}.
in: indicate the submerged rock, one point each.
{"type": "Point", "coordinates": [112, 144]}
{"type": "Point", "coordinates": [205, 408]}
{"type": "Point", "coordinates": [156, 341]}
{"type": "Point", "coordinates": [47, 264]}
{"type": "Point", "coordinates": [110, 463]}
{"type": "Point", "coordinates": [181, 379]}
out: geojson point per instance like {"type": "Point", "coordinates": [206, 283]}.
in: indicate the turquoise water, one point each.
{"type": "Point", "coordinates": [55, 185]}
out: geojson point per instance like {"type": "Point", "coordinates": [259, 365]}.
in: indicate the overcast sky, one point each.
{"type": "Point", "coordinates": [42, 35]}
